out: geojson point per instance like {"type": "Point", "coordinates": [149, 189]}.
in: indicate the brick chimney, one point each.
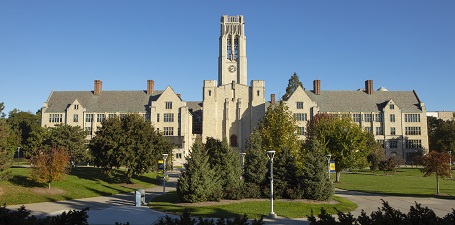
{"type": "Point", "coordinates": [369, 87]}
{"type": "Point", "coordinates": [98, 87]}
{"type": "Point", "coordinates": [317, 87]}
{"type": "Point", "coordinates": [150, 87]}
{"type": "Point", "coordinates": [272, 98]}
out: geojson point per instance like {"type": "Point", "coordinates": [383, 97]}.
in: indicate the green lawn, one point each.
{"type": "Point", "coordinates": [82, 182]}
{"type": "Point", "coordinates": [253, 208]}
{"type": "Point", "coordinates": [405, 182]}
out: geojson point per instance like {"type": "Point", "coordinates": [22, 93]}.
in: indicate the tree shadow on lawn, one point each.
{"type": "Point", "coordinates": [96, 174]}
{"type": "Point", "coordinates": [25, 181]}
{"type": "Point", "coordinates": [384, 193]}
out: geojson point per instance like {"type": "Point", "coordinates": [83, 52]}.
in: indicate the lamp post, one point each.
{"type": "Point", "coordinates": [270, 155]}
{"type": "Point", "coordinates": [18, 149]}
{"type": "Point", "coordinates": [242, 154]}
{"type": "Point", "coordinates": [164, 174]}
{"type": "Point", "coordinates": [328, 156]}
{"type": "Point", "coordinates": [450, 163]}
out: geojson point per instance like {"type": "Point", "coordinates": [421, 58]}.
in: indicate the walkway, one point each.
{"type": "Point", "coordinates": [107, 210]}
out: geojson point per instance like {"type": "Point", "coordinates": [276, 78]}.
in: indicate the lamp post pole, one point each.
{"type": "Point", "coordinates": [164, 174]}
{"type": "Point", "coordinates": [271, 154]}
{"type": "Point", "coordinates": [328, 156]}
{"type": "Point", "coordinates": [243, 160]}
{"type": "Point", "coordinates": [18, 149]}
{"type": "Point", "coordinates": [450, 163]}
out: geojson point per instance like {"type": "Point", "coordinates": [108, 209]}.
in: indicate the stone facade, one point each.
{"type": "Point", "coordinates": [231, 108]}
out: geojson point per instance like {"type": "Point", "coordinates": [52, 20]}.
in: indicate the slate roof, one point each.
{"type": "Point", "coordinates": [106, 101]}
{"type": "Point", "coordinates": [359, 101]}
{"type": "Point", "coordinates": [194, 105]}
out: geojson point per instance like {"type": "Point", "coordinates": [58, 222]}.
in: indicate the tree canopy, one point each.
{"type": "Point", "coordinates": [50, 165]}
{"type": "Point", "coordinates": [130, 142]}
{"type": "Point", "coordinates": [441, 134]}
{"type": "Point", "coordinates": [23, 124]}
{"type": "Point", "coordinates": [8, 144]}
{"type": "Point", "coordinates": [293, 84]}
{"type": "Point", "coordinates": [345, 140]}
{"type": "Point", "coordinates": [438, 163]}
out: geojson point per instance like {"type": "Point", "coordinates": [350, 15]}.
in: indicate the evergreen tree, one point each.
{"type": "Point", "coordinates": [315, 179]}
{"type": "Point", "coordinates": [8, 144]}
{"type": "Point", "coordinates": [293, 84]}
{"type": "Point", "coordinates": [285, 177]}
{"type": "Point", "coordinates": [255, 169]}
{"type": "Point", "coordinates": [199, 182]}
{"type": "Point", "coordinates": [70, 138]}
{"type": "Point", "coordinates": [226, 163]}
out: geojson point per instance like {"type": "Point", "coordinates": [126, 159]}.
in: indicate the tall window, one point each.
{"type": "Point", "coordinates": [357, 117]}
{"type": "Point", "coordinates": [413, 131]}
{"type": "Point", "coordinates": [368, 117]}
{"type": "Point", "coordinates": [369, 129]}
{"type": "Point", "coordinates": [88, 131]}
{"type": "Point", "coordinates": [55, 118]}
{"type": "Point", "coordinates": [301, 130]}
{"type": "Point", "coordinates": [75, 118]}
{"type": "Point", "coordinates": [392, 106]}
{"type": "Point", "coordinates": [393, 144]}
{"type": "Point", "coordinates": [299, 105]}
{"type": "Point", "coordinates": [412, 117]}
{"type": "Point", "coordinates": [168, 105]}
{"type": "Point", "coordinates": [378, 117]}
{"type": "Point", "coordinates": [392, 131]}
{"type": "Point", "coordinates": [300, 116]}
{"type": "Point", "coordinates": [379, 131]}
{"type": "Point", "coordinates": [157, 117]}
{"type": "Point", "coordinates": [236, 48]}
{"type": "Point", "coordinates": [100, 118]}
{"type": "Point", "coordinates": [392, 118]}
{"type": "Point", "coordinates": [169, 117]}
{"type": "Point", "coordinates": [111, 116]}
{"type": "Point", "coordinates": [233, 141]}
{"type": "Point", "coordinates": [76, 106]}
{"type": "Point", "coordinates": [168, 131]}
{"type": "Point", "coordinates": [88, 118]}
{"type": "Point", "coordinates": [229, 49]}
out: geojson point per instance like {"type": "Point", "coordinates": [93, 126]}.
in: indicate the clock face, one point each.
{"type": "Point", "coordinates": [232, 68]}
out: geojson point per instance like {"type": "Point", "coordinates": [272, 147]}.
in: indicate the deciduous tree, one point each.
{"type": "Point", "coordinates": [8, 143]}
{"type": "Point", "coordinates": [441, 134]}
{"type": "Point", "coordinates": [50, 165]}
{"type": "Point", "coordinates": [345, 140]}
{"type": "Point", "coordinates": [437, 163]}
{"type": "Point", "coordinates": [23, 124]}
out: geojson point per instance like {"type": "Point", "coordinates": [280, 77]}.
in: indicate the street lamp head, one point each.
{"type": "Point", "coordinates": [165, 156]}
{"type": "Point", "coordinates": [328, 156]}
{"type": "Point", "coordinates": [270, 154]}
{"type": "Point", "coordinates": [242, 153]}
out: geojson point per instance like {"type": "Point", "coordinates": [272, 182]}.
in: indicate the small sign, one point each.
{"type": "Point", "coordinates": [332, 166]}
{"type": "Point", "coordinates": [160, 165]}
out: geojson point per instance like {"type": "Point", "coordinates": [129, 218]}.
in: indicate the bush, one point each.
{"type": "Point", "coordinates": [185, 219]}
{"type": "Point", "coordinates": [22, 216]}
{"type": "Point", "coordinates": [385, 215]}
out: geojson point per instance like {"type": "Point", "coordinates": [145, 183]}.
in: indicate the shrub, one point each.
{"type": "Point", "coordinates": [185, 219]}
{"type": "Point", "coordinates": [22, 216]}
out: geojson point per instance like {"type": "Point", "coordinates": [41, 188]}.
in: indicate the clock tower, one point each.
{"type": "Point", "coordinates": [232, 63]}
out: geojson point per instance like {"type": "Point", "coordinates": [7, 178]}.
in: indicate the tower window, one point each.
{"type": "Point", "coordinates": [229, 49]}
{"type": "Point", "coordinates": [258, 92]}
{"type": "Point", "coordinates": [236, 48]}
{"type": "Point", "coordinates": [233, 140]}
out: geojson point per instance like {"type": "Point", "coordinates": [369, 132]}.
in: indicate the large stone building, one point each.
{"type": "Point", "coordinates": [231, 108]}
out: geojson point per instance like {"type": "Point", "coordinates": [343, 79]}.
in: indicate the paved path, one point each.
{"type": "Point", "coordinates": [121, 208]}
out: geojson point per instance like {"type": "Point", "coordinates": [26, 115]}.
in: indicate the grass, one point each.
{"type": "Point", "coordinates": [82, 182]}
{"type": "Point", "coordinates": [404, 182]}
{"type": "Point", "coordinates": [253, 208]}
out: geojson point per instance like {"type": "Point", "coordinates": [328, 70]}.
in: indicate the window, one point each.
{"type": "Point", "coordinates": [299, 105]}
{"type": "Point", "coordinates": [55, 118]}
{"type": "Point", "coordinates": [168, 105]}
{"type": "Point", "coordinates": [178, 155]}
{"type": "Point", "coordinates": [168, 131]}
{"type": "Point", "coordinates": [76, 106]}
{"type": "Point", "coordinates": [99, 117]}
{"type": "Point", "coordinates": [258, 92]}
{"type": "Point", "coordinates": [413, 144]}
{"type": "Point", "coordinates": [89, 118]}
{"type": "Point", "coordinates": [210, 93]}
{"type": "Point", "coordinates": [233, 141]}
{"type": "Point", "coordinates": [368, 117]}
{"type": "Point", "coordinates": [229, 49]}
{"type": "Point", "coordinates": [75, 118]}
{"type": "Point", "coordinates": [301, 130]}
{"type": "Point", "coordinates": [111, 116]}
{"type": "Point", "coordinates": [123, 116]}
{"type": "Point", "coordinates": [393, 144]}
{"type": "Point", "coordinates": [379, 131]}
{"type": "Point", "coordinates": [392, 106]}
{"type": "Point", "coordinates": [300, 116]}
{"type": "Point", "coordinates": [392, 131]}
{"type": "Point", "coordinates": [369, 129]}
{"type": "Point", "coordinates": [157, 117]}
{"type": "Point", "coordinates": [392, 118]}
{"type": "Point", "coordinates": [357, 117]}
{"type": "Point", "coordinates": [413, 131]}
{"type": "Point", "coordinates": [378, 117]}
{"type": "Point", "coordinates": [169, 117]}
{"type": "Point", "coordinates": [88, 131]}
{"type": "Point", "coordinates": [381, 142]}
{"type": "Point", "coordinates": [412, 117]}
{"type": "Point", "coordinates": [236, 48]}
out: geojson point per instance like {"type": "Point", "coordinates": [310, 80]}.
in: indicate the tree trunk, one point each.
{"type": "Point", "coordinates": [338, 174]}
{"type": "Point", "coordinates": [437, 184]}
{"type": "Point", "coordinates": [49, 185]}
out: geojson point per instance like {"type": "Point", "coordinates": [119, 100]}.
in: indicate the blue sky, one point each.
{"type": "Point", "coordinates": [65, 45]}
